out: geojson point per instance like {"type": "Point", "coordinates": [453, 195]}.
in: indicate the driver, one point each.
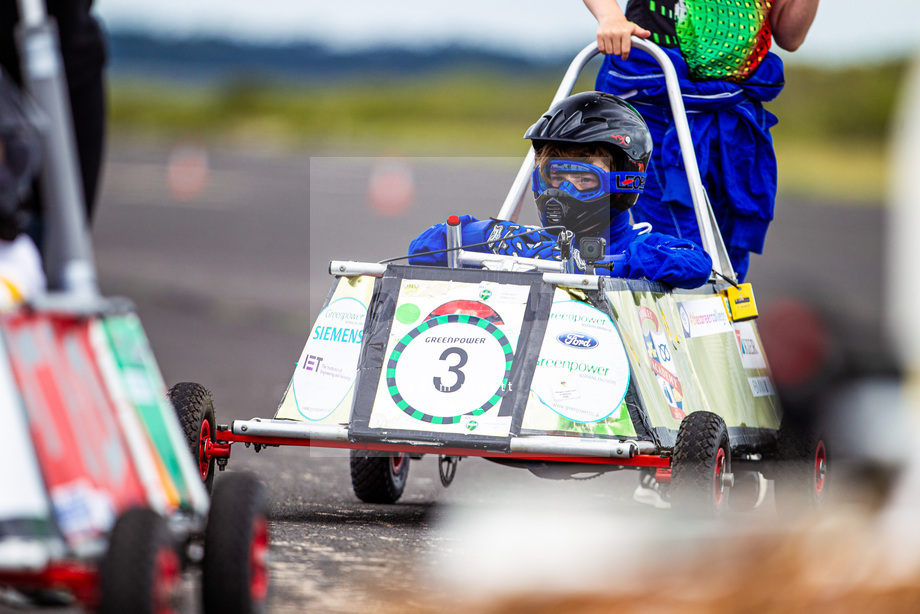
{"type": "Point", "coordinates": [591, 155]}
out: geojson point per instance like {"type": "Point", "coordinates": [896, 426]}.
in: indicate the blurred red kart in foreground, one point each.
{"type": "Point", "coordinates": [101, 501]}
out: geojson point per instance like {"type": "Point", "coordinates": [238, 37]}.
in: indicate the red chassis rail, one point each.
{"type": "Point", "coordinates": [225, 437]}
{"type": "Point", "coordinates": [81, 580]}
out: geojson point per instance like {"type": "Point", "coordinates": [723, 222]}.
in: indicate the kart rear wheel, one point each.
{"type": "Point", "coordinates": [701, 465]}
{"type": "Point", "coordinates": [195, 408]}
{"type": "Point", "coordinates": [803, 473]}
{"type": "Point", "coordinates": [379, 477]}
{"type": "Point", "coordinates": [234, 570]}
{"type": "Point", "coordinates": [141, 571]}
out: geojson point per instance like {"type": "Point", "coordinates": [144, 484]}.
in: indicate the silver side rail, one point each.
{"type": "Point", "coordinates": [540, 444]}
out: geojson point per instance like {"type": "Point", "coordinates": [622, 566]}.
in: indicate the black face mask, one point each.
{"type": "Point", "coordinates": [558, 208]}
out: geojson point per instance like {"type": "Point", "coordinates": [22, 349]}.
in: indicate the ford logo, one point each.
{"type": "Point", "coordinates": [577, 340]}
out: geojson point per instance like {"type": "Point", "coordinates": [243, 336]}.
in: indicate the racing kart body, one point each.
{"type": "Point", "coordinates": [101, 499]}
{"type": "Point", "coordinates": [523, 362]}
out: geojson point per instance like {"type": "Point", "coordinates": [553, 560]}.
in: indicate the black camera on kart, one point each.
{"type": "Point", "coordinates": [592, 249]}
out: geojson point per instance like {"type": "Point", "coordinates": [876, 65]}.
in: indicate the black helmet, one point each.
{"type": "Point", "coordinates": [593, 118]}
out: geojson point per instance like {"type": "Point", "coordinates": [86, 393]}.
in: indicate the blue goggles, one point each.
{"type": "Point", "coordinates": [585, 181]}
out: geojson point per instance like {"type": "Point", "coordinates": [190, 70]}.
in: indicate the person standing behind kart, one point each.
{"type": "Point", "coordinates": [721, 51]}
{"type": "Point", "coordinates": [591, 154]}
{"type": "Point", "coordinates": [84, 53]}
{"type": "Point", "coordinates": [21, 275]}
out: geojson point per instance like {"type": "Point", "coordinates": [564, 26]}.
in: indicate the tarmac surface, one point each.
{"type": "Point", "coordinates": [227, 281]}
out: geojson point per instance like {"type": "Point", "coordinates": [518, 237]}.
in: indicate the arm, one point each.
{"type": "Point", "coordinates": [790, 21]}
{"type": "Point", "coordinates": [678, 262]}
{"type": "Point", "coordinates": [613, 29]}
{"type": "Point", "coordinates": [537, 244]}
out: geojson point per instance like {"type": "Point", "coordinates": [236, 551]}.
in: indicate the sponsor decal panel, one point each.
{"type": "Point", "coordinates": [761, 386]}
{"type": "Point", "coordinates": [326, 370]}
{"type": "Point", "coordinates": [448, 370]}
{"type": "Point", "coordinates": [582, 373]}
{"type": "Point", "coordinates": [662, 361]}
{"type": "Point", "coordinates": [699, 318]}
{"type": "Point", "coordinates": [752, 356]}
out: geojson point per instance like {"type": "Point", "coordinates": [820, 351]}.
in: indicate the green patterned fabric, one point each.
{"type": "Point", "coordinates": [719, 39]}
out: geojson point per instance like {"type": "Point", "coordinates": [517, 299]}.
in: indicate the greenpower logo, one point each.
{"type": "Point", "coordinates": [479, 325]}
{"type": "Point", "coordinates": [485, 294]}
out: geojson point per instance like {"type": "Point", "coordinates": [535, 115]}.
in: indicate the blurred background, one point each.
{"type": "Point", "coordinates": [251, 142]}
{"type": "Point", "coordinates": [423, 78]}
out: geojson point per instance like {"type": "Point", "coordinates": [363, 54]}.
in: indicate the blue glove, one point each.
{"type": "Point", "coordinates": [535, 244]}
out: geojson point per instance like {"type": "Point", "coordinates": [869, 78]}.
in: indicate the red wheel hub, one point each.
{"type": "Point", "coordinates": [396, 463]}
{"type": "Point", "coordinates": [166, 579]}
{"type": "Point", "coordinates": [204, 460]}
{"type": "Point", "coordinates": [718, 485]}
{"type": "Point", "coordinates": [258, 560]}
{"type": "Point", "coordinates": [820, 469]}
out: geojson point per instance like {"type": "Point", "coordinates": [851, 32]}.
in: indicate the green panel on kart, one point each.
{"type": "Point", "coordinates": [138, 376]}
{"type": "Point", "coordinates": [688, 355]}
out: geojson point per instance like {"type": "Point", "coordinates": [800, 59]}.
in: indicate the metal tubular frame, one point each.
{"type": "Point", "coordinates": [644, 453]}
{"type": "Point", "coordinates": [67, 250]}
{"type": "Point", "coordinates": [705, 219]}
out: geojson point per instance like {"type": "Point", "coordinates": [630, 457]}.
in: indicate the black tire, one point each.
{"type": "Point", "coordinates": [700, 460]}
{"type": "Point", "coordinates": [379, 477]}
{"type": "Point", "coordinates": [234, 569]}
{"type": "Point", "coordinates": [803, 471]}
{"type": "Point", "coordinates": [195, 408]}
{"type": "Point", "coordinates": [141, 571]}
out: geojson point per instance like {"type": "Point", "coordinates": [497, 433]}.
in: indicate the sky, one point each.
{"type": "Point", "coordinates": [844, 30]}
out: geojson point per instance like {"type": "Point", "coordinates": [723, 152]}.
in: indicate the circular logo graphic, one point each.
{"type": "Point", "coordinates": [408, 313]}
{"type": "Point", "coordinates": [449, 367]}
{"type": "Point", "coordinates": [684, 319]}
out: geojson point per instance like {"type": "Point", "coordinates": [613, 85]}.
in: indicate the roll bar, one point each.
{"type": "Point", "coordinates": [66, 249]}
{"type": "Point", "coordinates": [709, 229]}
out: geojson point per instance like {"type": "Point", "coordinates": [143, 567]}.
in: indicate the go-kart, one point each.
{"type": "Point", "coordinates": [102, 500]}
{"type": "Point", "coordinates": [526, 363]}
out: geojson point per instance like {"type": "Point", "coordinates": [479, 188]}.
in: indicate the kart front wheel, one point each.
{"type": "Point", "coordinates": [234, 570]}
{"type": "Point", "coordinates": [195, 409]}
{"type": "Point", "coordinates": [701, 465]}
{"type": "Point", "coordinates": [141, 571]}
{"type": "Point", "coordinates": [803, 471]}
{"type": "Point", "coordinates": [379, 477]}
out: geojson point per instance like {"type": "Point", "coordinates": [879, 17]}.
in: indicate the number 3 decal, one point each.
{"type": "Point", "coordinates": [455, 369]}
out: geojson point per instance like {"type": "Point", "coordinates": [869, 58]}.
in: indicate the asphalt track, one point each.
{"type": "Point", "coordinates": [227, 283]}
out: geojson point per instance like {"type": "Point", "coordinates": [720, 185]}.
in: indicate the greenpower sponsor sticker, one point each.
{"type": "Point", "coordinates": [582, 373]}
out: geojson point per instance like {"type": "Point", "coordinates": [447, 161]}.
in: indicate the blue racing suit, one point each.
{"type": "Point", "coordinates": [734, 149]}
{"type": "Point", "coordinates": [631, 254]}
